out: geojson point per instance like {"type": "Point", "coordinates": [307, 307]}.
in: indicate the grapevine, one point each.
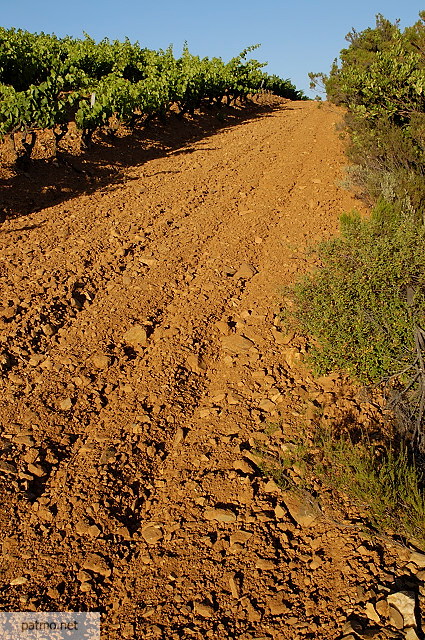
{"type": "Point", "coordinates": [47, 82]}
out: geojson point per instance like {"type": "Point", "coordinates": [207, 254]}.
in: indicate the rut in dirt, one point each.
{"type": "Point", "coordinates": [142, 358]}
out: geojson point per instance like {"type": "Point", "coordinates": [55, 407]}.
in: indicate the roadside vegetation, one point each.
{"type": "Point", "coordinates": [384, 486]}
{"type": "Point", "coordinates": [365, 306]}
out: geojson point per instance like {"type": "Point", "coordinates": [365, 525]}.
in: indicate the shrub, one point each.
{"type": "Point", "coordinates": [381, 82]}
{"type": "Point", "coordinates": [365, 305]}
{"type": "Point", "coordinates": [355, 304]}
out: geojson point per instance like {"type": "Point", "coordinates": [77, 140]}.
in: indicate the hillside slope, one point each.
{"type": "Point", "coordinates": [142, 362]}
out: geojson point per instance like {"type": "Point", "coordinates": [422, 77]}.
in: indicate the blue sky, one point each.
{"type": "Point", "coordinates": [297, 36]}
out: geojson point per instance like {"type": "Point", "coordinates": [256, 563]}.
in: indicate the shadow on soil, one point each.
{"type": "Point", "coordinates": [48, 182]}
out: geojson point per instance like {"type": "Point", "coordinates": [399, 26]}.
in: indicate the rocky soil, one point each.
{"type": "Point", "coordinates": [142, 365]}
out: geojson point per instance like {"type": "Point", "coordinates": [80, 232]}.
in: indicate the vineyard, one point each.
{"type": "Point", "coordinates": [47, 82]}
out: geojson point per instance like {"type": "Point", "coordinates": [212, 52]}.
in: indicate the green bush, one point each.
{"type": "Point", "coordinates": [355, 304]}
{"type": "Point", "coordinates": [387, 161]}
{"type": "Point", "coordinates": [365, 304]}
{"type": "Point", "coordinates": [381, 81]}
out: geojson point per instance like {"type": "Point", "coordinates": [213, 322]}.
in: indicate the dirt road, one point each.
{"type": "Point", "coordinates": [143, 360]}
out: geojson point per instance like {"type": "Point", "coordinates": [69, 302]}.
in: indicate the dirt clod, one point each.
{"type": "Point", "coordinates": [152, 533]}
{"type": "Point", "coordinates": [97, 564]}
{"type": "Point", "coordinates": [245, 272]}
{"type": "Point", "coordinates": [301, 508]}
{"type": "Point", "coordinates": [236, 344]}
{"type": "Point", "coordinates": [136, 335]}
{"type": "Point", "coordinates": [220, 515]}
